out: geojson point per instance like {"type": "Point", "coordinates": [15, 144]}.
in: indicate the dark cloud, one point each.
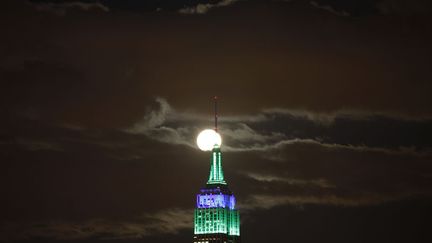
{"type": "Point", "coordinates": [61, 8]}
{"type": "Point", "coordinates": [168, 221]}
{"type": "Point", "coordinates": [362, 8]}
{"type": "Point", "coordinates": [204, 8]}
{"type": "Point", "coordinates": [388, 222]}
{"type": "Point", "coordinates": [330, 9]}
{"type": "Point", "coordinates": [404, 7]}
{"type": "Point", "coordinates": [329, 172]}
{"type": "Point", "coordinates": [355, 8]}
{"type": "Point", "coordinates": [312, 67]}
{"type": "Point", "coordinates": [352, 8]}
{"type": "Point", "coordinates": [183, 6]}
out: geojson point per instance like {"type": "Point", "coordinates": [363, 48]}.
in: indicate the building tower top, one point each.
{"type": "Point", "coordinates": [216, 218]}
{"type": "Point", "coordinates": [216, 173]}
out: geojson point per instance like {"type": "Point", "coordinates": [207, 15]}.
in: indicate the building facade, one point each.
{"type": "Point", "coordinates": [216, 219]}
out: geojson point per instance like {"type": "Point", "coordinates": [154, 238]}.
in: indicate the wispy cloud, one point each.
{"type": "Point", "coordinates": [203, 8]}
{"type": "Point", "coordinates": [330, 9]}
{"type": "Point", "coordinates": [61, 8]}
{"type": "Point", "coordinates": [263, 201]}
{"type": "Point", "coordinates": [32, 144]}
{"type": "Point", "coordinates": [273, 129]}
{"type": "Point", "coordinates": [152, 125]}
{"type": "Point", "coordinates": [291, 181]}
{"type": "Point", "coordinates": [170, 221]}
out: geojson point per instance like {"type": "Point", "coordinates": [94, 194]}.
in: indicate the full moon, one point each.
{"type": "Point", "coordinates": [207, 139]}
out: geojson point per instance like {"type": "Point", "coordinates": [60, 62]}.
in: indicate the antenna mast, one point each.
{"type": "Point", "coordinates": [215, 112]}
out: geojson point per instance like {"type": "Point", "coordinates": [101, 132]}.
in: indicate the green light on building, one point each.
{"type": "Point", "coordinates": [215, 217]}
{"type": "Point", "coordinates": [216, 173]}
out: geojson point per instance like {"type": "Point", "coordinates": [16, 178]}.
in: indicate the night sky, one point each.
{"type": "Point", "coordinates": [325, 114]}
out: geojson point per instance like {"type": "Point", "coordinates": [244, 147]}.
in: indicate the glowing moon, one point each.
{"type": "Point", "coordinates": [207, 139]}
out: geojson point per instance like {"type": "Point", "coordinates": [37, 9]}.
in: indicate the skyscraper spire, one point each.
{"type": "Point", "coordinates": [216, 173]}
{"type": "Point", "coordinates": [216, 218]}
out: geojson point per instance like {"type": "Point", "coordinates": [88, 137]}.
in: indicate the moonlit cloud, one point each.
{"type": "Point", "coordinates": [152, 125]}
{"type": "Point", "coordinates": [203, 8]}
{"type": "Point", "coordinates": [272, 129]}
{"type": "Point", "coordinates": [291, 181]}
{"type": "Point", "coordinates": [330, 9]}
{"type": "Point", "coordinates": [261, 202]}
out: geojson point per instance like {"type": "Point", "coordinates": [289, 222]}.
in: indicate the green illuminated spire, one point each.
{"type": "Point", "coordinates": [215, 217]}
{"type": "Point", "coordinates": [216, 173]}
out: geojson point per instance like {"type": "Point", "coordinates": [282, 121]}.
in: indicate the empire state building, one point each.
{"type": "Point", "coordinates": [216, 219]}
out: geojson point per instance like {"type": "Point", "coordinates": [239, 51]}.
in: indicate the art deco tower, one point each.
{"type": "Point", "coordinates": [216, 219]}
